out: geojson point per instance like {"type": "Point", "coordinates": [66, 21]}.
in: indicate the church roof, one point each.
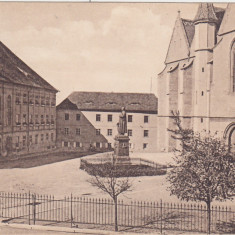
{"type": "Point", "coordinates": [14, 70]}
{"type": "Point", "coordinates": [182, 39]}
{"type": "Point", "coordinates": [189, 29]}
{"type": "Point", "coordinates": [113, 101]}
{"type": "Point", "coordinates": [227, 24]}
{"type": "Point", "coordinates": [206, 13]}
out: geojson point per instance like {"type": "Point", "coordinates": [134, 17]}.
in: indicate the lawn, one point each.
{"type": "Point", "coordinates": [65, 177]}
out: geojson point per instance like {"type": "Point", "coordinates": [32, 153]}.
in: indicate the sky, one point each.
{"type": "Point", "coordinates": [108, 47]}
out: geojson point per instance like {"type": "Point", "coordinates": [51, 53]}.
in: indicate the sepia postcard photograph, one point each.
{"type": "Point", "coordinates": [117, 118]}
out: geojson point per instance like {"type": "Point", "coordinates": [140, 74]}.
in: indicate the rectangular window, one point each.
{"type": "Point", "coordinates": [30, 140]}
{"type": "Point", "coordinates": [31, 97]}
{"type": "Point", "coordinates": [47, 101]}
{"type": "Point", "coordinates": [36, 139]}
{"type": "Point", "coordinates": [97, 131]}
{"type": "Point", "coordinates": [129, 132]}
{"type": "Point", "coordinates": [42, 120]}
{"type": "Point", "coordinates": [77, 144]}
{"type": "Point", "coordinates": [24, 119]}
{"type": "Point", "coordinates": [145, 145]}
{"type": "Point", "coordinates": [109, 132]}
{"type": "Point", "coordinates": [47, 119]}
{"type": "Point", "coordinates": [146, 133]}
{"type": "Point", "coordinates": [24, 141]}
{"type": "Point", "coordinates": [66, 131]}
{"type": "Point", "coordinates": [37, 100]}
{"type": "Point", "coordinates": [52, 136]}
{"type": "Point", "coordinates": [109, 145]}
{"type": "Point", "coordinates": [78, 117]}
{"type": "Point", "coordinates": [17, 98]}
{"type": "Point", "coordinates": [97, 145]}
{"type": "Point", "coordinates": [146, 119]}
{"type": "Point", "coordinates": [42, 101]}
{"type": "Point", "coordinates": [66, 116]}
{"type": "Point", "coordinates": [47, 136]}
{"type": "Point", "coordinates": [78, 131]}
{"type": "Point", "coordinates": [30, 119]}
{"type": "Point", "coordinates": [110, 117]}
{"type": "Point", "coordinates": [18, 119]}
{"type": "Point", "coordinates": [129, 118]}
{"type": "Point", "coordinates": [98, 117]}
{"type": "Point", "coordinates": [42, 138]}
{"type": "Point", "coordinates": [25, 99]}
{"type": "Point", "coordinates": [66, 144]}
{"type": "Point", "coordinates": [52, 120]}
{"type": "Point", "coordinates": [17, 141]}
{"type": "Point", "coordinates": [36, 119]}
{"type": "Point", "coordinates": [201, 120]}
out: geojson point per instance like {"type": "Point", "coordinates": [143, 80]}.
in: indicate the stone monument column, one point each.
{"type": "Point", "coordinates": [121, 145]}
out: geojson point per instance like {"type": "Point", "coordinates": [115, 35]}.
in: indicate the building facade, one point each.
{"type": "Point", "coordinates": [89, 119]}
{"type": "Point", "coordinates": [199, 75]}
{"type": "Point", "coordinates": [27, 108]}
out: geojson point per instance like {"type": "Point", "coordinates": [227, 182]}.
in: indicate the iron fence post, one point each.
{"type": "Point", "coordinates": [71, 210]}
{"type": "Point", "coordinates": [29, 207]}
{"type": "Point", "coordinates": [161, 216]}
{"type": "Point", "coordinates": [34, 209]}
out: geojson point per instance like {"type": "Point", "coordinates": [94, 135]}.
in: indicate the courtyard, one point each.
{"type": "Point", "coordinates": [63, 178]}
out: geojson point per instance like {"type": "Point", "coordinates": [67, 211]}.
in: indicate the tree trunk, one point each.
{"type": "Point", "coordinates": [115, 212]}
{"type": "Point", "coordinates": [208, 203]}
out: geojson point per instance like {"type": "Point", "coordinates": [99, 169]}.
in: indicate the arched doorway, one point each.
{"type": "Point", "coordinates": [229, 135]}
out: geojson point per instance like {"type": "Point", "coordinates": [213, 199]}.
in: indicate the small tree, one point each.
{"type": "Point", "coordinates": [108, 178]}
{"type": "Point", "coordinates": [204, 171]}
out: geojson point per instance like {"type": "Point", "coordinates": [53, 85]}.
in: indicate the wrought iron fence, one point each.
{"type": "Point", "coordinates": [33, 208]}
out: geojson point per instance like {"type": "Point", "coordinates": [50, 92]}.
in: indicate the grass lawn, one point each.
{"type": "Point", "coordinates": [64, 177]}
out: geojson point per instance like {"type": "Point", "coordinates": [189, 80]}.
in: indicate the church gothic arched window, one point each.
{"type": "Point", "coordinates": [9, 111]}
{"type": "Point", "coordinates": [233, 67]}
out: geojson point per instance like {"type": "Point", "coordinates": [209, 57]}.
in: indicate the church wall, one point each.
{"type": "Point", "coordinates": [162, 111]}
{"type": "Point", "coordinates": [173, 104]}
{"type": "Point", "coordinates": [222, 98]}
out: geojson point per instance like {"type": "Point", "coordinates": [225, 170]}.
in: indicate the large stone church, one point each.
{"type": "Point", "coordinates": [199, 75]}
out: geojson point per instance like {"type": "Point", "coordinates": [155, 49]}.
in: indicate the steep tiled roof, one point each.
{"type": "Point", "coordinates": [189, 29]}
{"type": "Point", "coordinates": [206, 12]}
{"type": "Point", "coordinates": [14, 70]}
{"type": "Point", "coordinates": [111, 101]}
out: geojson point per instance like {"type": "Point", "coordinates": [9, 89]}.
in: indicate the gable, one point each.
{"type": "Point", "coordinates": [228, 24]}
{"type": "Point", "coordinates": [179, 45]}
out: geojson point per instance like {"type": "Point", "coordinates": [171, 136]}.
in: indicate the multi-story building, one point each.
{"type": "Point", "coordinates": [199, 75]}
{"type": "Point", "coordinates": [27, 107]}
{"type": "Point", "coordinates": [89, 119]}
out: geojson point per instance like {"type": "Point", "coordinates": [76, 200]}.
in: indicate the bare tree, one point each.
{"type": "Point", "coordinates": [108, 178]}
{"type": "Point", "coordinates": [205, 169]}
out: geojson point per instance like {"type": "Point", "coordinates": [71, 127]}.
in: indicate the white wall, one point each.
{"type": "Point", "coordinates": [137, 126]}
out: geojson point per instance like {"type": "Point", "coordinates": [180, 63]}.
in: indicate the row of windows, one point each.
{"type": "Point", "coordinates": [129, 118]}
{"type": "Point", "coordinates": [48, 119]}
{"type": "Point", "coordinates": [43, 137]}
{"type": "Point", "coordinates": [37, 100]}
{"type": "Point", "coordinates": [79, 144]}
{"type": "Point", "coordinates": [109, 117]}
{"type": "Point", "coordinates": [67, 117]}
{"type": "Point", "coordinates": [98, 132]}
